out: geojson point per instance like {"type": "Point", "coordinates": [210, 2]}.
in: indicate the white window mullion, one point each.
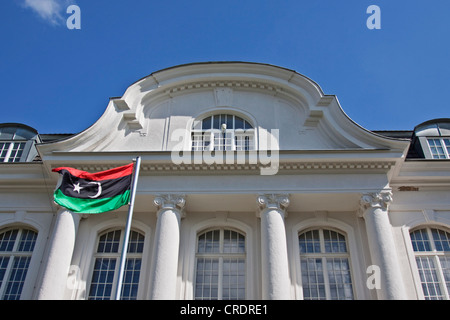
{"type": "Point", "coordinates": [322, 241]}
{"type": "Point", "coordinates": [8, 153]}
{"type": "Point", "coordinates": [18, 238]}
{"type": "Point", "coordinates": [446, 291]}
{"type": "Point", "coordinates": [220, 280]}
{"type": "Point", "coordinates": [431, 240]}
{"type": "Point", "coordinates": [116, 269]}
{"type": "Point", "coordinates": [232, 140]}
{"type": "Point", "coordinates": [326, 279]}
{"type": "Point", "coordinates": [212, 143]}
{"type": "Point", "coordinates": [444, 146]}
{"type": "Point", "coordinates": [220, 276]}
{"type": "Point", "coordinates": [441, 277]}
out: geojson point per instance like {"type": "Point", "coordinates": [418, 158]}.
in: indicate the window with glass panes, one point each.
{"type": "Point", "coordinates": [325, 266]}
{"type": "Point", "coordinates": [106, 266]}
{"type": "Point", "coordinates": [432, 251]}
{"type": "Point", "coordinates": [439, 147]}
{"type": "Point", "coordinates": [220, 265]}
{"type": "Point", "coordinates": [11, 151]}
{"type": "Point", "coordinates": [13, 143]}
{"type": "Point", "coordinates": [16, 249]}
{"type": "Point", "coordinates": [223, 132]}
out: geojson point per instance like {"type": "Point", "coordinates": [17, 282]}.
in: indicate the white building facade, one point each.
{"type": "Point", "coordinates": [254, 184]}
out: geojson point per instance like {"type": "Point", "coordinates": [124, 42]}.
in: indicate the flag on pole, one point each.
{"type": "Point", "coordinates": [84, 192]}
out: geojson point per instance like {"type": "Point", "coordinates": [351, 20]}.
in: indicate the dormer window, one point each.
{"type": "Point", "coordinates": [223, 132]}
{"type": "Point", "coordinates": [439, 147]}
{"type": "Point", "coordinates": [11, 151]}
{"type": "Point", "coordinates": [431, 139]}
{"type": "Point", "coordinates": [16, 142]}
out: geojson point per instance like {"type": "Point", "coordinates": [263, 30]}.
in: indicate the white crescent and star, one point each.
{"type": "Point", "coordinates": [99, 192]}
{"type": "Point", "coordinates": [77, 188]}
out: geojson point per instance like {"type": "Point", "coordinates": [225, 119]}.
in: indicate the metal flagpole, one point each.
{"type": "Point", "coordinates": [123, 255]}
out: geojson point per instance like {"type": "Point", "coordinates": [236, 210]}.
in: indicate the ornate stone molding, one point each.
{"type": "Point", "coordinates": [273, 201]}
{"type": "Point", "coordinates": [171, 168]}
{"type": "Point", "coordinates": [253, 84]}
{"type": "Point", "coordinates": [375, 200]}
{"type": "Point", "coordinates": [170, 201]}
{"type": "Point", "coordinates": [129, 116]}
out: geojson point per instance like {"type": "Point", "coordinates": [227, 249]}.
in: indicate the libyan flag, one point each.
{"type": "Point", "coordinates": [84, 192]}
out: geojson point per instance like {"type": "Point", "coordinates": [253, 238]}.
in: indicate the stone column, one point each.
{"type": "Point", "coordinates": [274, 256]}
{"type": "Point", "coordinates": [374, 209]}
{"type": "Point", "coordinates": [167, 244]}
{"type": "Point", "coordinates": [62, 244]}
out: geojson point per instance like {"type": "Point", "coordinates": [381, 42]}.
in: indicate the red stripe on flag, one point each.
{"type": "Point", "coordinates": [102, 175]}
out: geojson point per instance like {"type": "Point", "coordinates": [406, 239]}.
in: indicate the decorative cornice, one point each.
{"type": "Point", "coordinates": [380, 199]}
{"type": "Point", "coordinates": [170, 201]}
{"type": "Point", "coordinates": [288, 166]}
{"type": "Point", "coordinates": [273, 201]}
{"type": "Point", "coordinates": [301, 167]}
{"type": "Point", "coordinates": [223, 84]}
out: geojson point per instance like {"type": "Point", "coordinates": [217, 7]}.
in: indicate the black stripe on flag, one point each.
{"type": "Point", "coordinates": [75, 187]}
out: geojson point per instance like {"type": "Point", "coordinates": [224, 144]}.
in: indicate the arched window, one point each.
{"type": "Point", "coordinates": [432, 250]}
{"type": "Point", "coordinates": [223, 132]}
{"type": "Point", "coordinates": [16, 248]}
{"type": "Point", "coordinates": [324, 264]}
{"type": "Point", "coordinates": [106, 266]}
{"type": "Point", "coordinates": [220, 265]}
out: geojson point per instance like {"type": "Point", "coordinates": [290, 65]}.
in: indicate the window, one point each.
{"type": "Point", "coordinates": [11, 151]}
{"type": "Point", "coordinates": [439, 147]}
{"type": "Point", "coordinates": [325, 267]}
{"type": "Point", "coordinates": [106, 266]}
{"type": "Point", "coordinates": [220, 265]}
{"type": "Point", "coordinates": [16, 248]}
{"type": "Point", "coordinates": [432, 251]}
{"type": "Point", "coordinates": [223, 132]}
{"type": "Point", "coordinates": [15, 142]}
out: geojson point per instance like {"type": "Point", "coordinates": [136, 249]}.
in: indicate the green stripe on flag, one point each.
{"type": "Point", "coordinates": [92, 205]}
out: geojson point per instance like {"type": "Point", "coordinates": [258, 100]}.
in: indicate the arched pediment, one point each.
{"type": "Point", "coordinates": [153, 108]}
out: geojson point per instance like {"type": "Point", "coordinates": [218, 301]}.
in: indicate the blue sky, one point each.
{"type": "Point", "coordinates": [59, 80]}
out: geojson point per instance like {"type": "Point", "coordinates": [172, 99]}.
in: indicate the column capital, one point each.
{"type": "Point", "coordinates": [273, 201]}
{"type": "Point", "coordinates": [380, 199]}
{"type": "Point", "coordinates": [170, 201]}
